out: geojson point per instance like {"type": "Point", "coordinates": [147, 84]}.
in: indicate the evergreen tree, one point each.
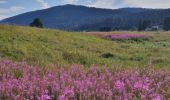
{"type": "Point", "coordinates": [37, 23]}
{"type": "Point", "coordinates": [166, 24]}
{"type": "Point", "coordinates": [143, 25]}
{"type": "Point", "coordinates": [105, 29]}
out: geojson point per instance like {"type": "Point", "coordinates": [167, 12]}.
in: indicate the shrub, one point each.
{"type": "Point", "coordinates": [74, 57]}
{"type": "Point", "coordinates": [37, 23]}
{"type": "Point", "coordinates": [107, 55]}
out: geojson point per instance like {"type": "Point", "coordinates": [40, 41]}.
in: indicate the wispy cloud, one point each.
{"type": "Point", "coordinates": [70, 1]}
{"type": "Point", "coordinates": [3, 16]}
{"type": "Point", "coordinates": [43, 3]}
{"type": "Point", "coordinates": [12, 9]}
{"type": "Point", "coordinates": [103, 3]}
{"type": "Point", "coordinates": [129, 3]}
{"type": "Point", "coordinates": [148, 3]}
{"type": "Point", "coordinates": [121, 3]}
{"type": "Point", "coordinates": [5, 12]}
{"type": "Point", "coordinates": [3, 1]}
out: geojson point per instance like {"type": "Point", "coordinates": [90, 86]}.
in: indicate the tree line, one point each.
{"type": "Point", "coordinates": [143, 25]}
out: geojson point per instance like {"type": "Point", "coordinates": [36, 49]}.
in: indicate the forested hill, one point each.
{"type": "Point", "coordinates": [81, 18]}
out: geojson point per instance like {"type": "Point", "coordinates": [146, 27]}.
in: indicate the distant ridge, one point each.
{"type": "Point", "coordinates": [82, 18]}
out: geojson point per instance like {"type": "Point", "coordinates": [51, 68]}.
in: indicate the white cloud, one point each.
{"type": "Point", "coordinates": [43, 3]}
{"type": "Point", "coordinates": [3, 1]}
{"type": "Point", "coordinates": [129, 3]}
{"type": "Point", "coordinates": [12, 9]}
{"type": "Point", "coordinates": [88, 1]}
{"type": "Point", "coordinates": [148, 3]}
{"type": "Point", "coordinates": [70, 1]}
{"type": "Point", "coordinates": [103, 4]}
{"type": "Point", "coordinates": [5, 12]}
{"type": "Point", "coordinates": [3, 16]}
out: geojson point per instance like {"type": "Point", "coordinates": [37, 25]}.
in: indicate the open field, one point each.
{"type": "Point", "coordinates": [135, 69]}
{"type": "Point", "coordinates": [64, 48]}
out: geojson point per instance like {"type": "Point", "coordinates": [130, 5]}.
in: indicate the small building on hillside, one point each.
{"type": "Point", "coordinates": [154, 28]}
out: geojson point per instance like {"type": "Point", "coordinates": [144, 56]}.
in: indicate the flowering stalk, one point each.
{"type": "Point", "coordinates": [19, 81]}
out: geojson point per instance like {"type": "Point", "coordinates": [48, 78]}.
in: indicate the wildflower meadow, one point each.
{"type": "Point", "coordinates": [20, 81]}
{"type": "Point", "coordinates": [126, 36]}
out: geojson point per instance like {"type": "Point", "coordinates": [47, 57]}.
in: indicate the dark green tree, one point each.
{"type": "Point", "coordinates": [143, 25]}
{"type": "Point", "coordinates": [37, 23]}
{"type": "Point", "coordinates": [166, 24]}
{"type": "Point", "coordinates": [105, 29]}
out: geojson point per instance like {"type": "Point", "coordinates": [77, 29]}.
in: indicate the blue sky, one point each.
{"type": "Point", "coordinates": [10, 8]}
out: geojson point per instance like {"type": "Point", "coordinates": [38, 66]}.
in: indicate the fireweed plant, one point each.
{"type": "Point", "coordinates": [20, 81]}
{"type": "Point", "coordinates": [135, 37]}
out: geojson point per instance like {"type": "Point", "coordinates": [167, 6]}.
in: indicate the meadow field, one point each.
{"type": "Point", "coordinates": [46, 64]}
{"type": "Point", "coordinates": [62, 48]}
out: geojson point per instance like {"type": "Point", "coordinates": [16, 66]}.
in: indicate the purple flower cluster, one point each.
{"type": "Point", "coordinates": [19, 81]}
{"type": "Point", "coordinates": [126, 36]}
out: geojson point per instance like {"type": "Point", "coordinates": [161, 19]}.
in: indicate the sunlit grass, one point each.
{"type": "Point", "coordinates": [45, 46]}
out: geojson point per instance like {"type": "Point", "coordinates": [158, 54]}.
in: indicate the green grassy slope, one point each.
{"type": "Point", "coordinates": [52, 46]}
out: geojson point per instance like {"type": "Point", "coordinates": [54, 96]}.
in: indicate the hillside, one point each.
{"type": "Point", "coordinates": [64, 48]}
{"type": "Point", "coordinates": [80, 18]}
